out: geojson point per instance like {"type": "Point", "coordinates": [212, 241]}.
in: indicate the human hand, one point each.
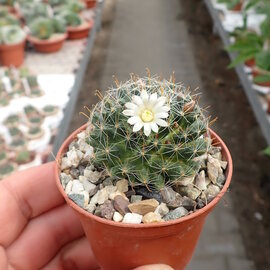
{"type": "Point", "coordinates": [38, 230]}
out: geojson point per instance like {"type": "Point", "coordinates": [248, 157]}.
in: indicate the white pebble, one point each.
{"type": "Point", "coordinates": [86, 198]}
{"type": "Point", "coordinates": [132, 218]}
{"type": "Point", "coordinates": [77, 186]}
{"type": "Point", "coordinates": [117, 217]}
{"type": "Point", "coordinates": [69, 187]}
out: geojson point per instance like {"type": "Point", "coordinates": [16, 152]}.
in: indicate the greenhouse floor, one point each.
{"type": "Point", "coordinates": [177, 36]}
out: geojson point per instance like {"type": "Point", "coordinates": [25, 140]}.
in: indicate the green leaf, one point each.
{"type": "Point", "coordinates": [266, 151]}
{"type": "Point", "coordinates": [262, 79]}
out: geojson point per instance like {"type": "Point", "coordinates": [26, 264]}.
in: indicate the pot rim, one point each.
{"type": "Point", "coordinates": [139, 226]}
{"type": "Point", "coordinates": [6, 47]}
{"type": "Point", "coordinates": [62, 37]}
{"type": "Point", "coordinates": [87, 25]}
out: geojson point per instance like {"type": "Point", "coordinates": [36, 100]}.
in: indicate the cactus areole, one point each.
{"type": "Point", "coordinates": [149, 131]}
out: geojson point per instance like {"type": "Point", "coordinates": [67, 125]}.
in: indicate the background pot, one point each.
{"type": "Point", "coordinates": [49, 45]}
{"type": "Point", "coordinates": [81, 31]}
{"type": "Point", "coordinates": [90, 3]}
{"type": "Point", "coordinates": [12, 55]}
{"type": "Point", "coordinates": [119, 246]}
{"type": "Point", "coordinates": [255, 73]}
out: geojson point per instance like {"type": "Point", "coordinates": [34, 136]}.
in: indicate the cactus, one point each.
{"type": "Point", "coordinates": [154, 159]}
{"type": "Point", "coordinates": [71, 18]}
{"type": "Point", "coordinates": [7, 19]}
{"type": "Point", "coordinates": [59, 24]}
{"type": "Point", "coordinates": [42, 28]}
{"type": "Point", "coordinates": [11, 34]}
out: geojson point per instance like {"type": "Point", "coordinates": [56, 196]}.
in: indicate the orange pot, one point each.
{"type": "Point", "coordinates": [250, 62]}
{"type": "Point", "coordinates": [90, 3]}
{"type": "Point", "coordinates": [12, 55]}
{"type": "Point", "coordinates": [238, 7]}
{"type": "Point", "coordinates": [49, 45]}
{"type": "Point", "coordinates": [81, 31]}
{"type": "Point", "coordinates": [256, 73]}
{"type": "Point", "coordinates": [119, 246]}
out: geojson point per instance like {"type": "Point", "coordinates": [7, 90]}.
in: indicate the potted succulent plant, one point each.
{"type": "Point", "coordinates": [8, 19]}
{"type": "Point", "coordinates": [18, 144]}
{"type": "Point", "coordinates": [77, 28]}
{"type": "Point", "coordinates": [90, 3]}
{"type": "Point", "coordinates": [33, 116]}
{"type": "Point", "coordinates": [12, 42]}
{"type": "Point", "coordinates": [15, 132]}
{"type": "Point", "coordinates": [49, 110]}
{"type": "Point", "coordinates": [34, 133]}
{"type": "Point", "coordinates": [47, 34]}
{"type": "Point", "coordinates": [12, 120]}
{"type": "Point", "coordinates": [261, 72]}
{"type": "Point", "coordinates": [3, 156]}
{"type": "Point", "coordinates": [143, 174]}
{"type": "Point", "coordinates": [24, 157]}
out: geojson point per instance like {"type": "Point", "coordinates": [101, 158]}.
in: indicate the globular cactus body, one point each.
{"type": "Point", "coordinates": [155, 159]}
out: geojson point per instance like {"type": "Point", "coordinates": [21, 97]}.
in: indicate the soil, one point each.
{"type": "Point", "coordinates": [236, 124]}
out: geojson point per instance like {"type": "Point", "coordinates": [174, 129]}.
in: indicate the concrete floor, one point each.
{"type": "Point", "coordinates": [149, 34]}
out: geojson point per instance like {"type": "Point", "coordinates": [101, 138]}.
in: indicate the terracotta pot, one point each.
{"type": "Point", "coordinates": [238, 7]}
{"type": "Point", "coordinates": [119, 246]}
{"type": "Point", "coordinates": [48, 45]}
{"type": "Point", "coordinates": [90, 3]}
{"type": "Point", "coordinates": [250, 62]}
{"type": "Point", "coordinates": [81, 31]}
{"type": "Point", "coordinates": [12, 55]}
{"type": "Point", "coordinates": [256, 73]}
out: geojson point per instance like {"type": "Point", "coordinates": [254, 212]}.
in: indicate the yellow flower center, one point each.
{"type": "Point", "coordinates": [147, 116]}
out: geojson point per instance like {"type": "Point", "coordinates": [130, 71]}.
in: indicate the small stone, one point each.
{"type": "Point", "coordinates": [90, 208]}
{"type": "Point", "coordinates": [217, 155]}
{"type": "Point", "coordinates": [221, 179]}
{"type": "Point", "coordinates": [170, 197]}
{"type": "Point", "coordinates": [223, 164]}
{"type": "Point", "coordinates": [86, 198]}
{"type": "Point", "coordinates": [130, 193]}
{"type": "Point", "coordinates": [69, 187]}
{"type": "Point", "coordinates": [101, 186]}
{"type": "Point", "coordinates": [211, 192]}
{"type": "Point", "coordinates": [107, 210]}
{"type": "Point", "coordinates": [65, 164]}
{"type": "Point", "coordinates": [89, 187]}
{"type": "Point", "coordinates": [151, 218]}
{"type": "Point", "coordinates": [184, 181]}
{"type": "Point", "coordinates": [72, 145]}
{"type": "Point", "coordinates": [190, 191]}
{"type": "Point", "coordinates": [176, 213]}
{"type": "Point", "coordinates": [117, 217]}
{"type": "Point", "coordinates": [135, 198]}
{"type": "Point", "coordinates": [162, 209]}
{"type": "Point", "coordinates": [77, 186]}
{"type": "Point", "coordinates": [143, 207]}
{"type": "Point", "coordinates": [77, 198]}
{"type": "Point", "coordinates": [74, 157]}
{"type": "Point", "coordinates": [65, 178]}
{"type": "Point", "coordinates": [148, 194]}
{"type": "Point", "coordinates": [214, 149]}
{"type": "Point", "coordinates": [116, 193]}
{"type": "Point", "coordinates": [122, 185]}
{"type": "Point", "coordinates": [75, 173]}
{"type": "Point", "coordinates": [200, 181]}
{"type": "Point", "coordinates": [121, 205]}
{"type": "Point", "coordinates": [98, 211]}
{"type": "Point", "coordinates": [213, 169]}
{"type": "Point", "coordinates": [93, 177]}
{"type": "Point", "coordinates": [108, 182]}
{"type": "Point", "coordinates": [200, 203]}
{"type": "Point", "coordinates": [83, 146]}
{"type": "Point", "coordinates": [188, 203]}
{"type": "Point", "coordinates": [103, 195]}
{"type": "Point", "coordinates": [111, 189]}
{"type": "Point", "coordinates": [132, 218]}
{"type": "Point", "coordinates": [81, 169]}
{"type": "Point", "coordinates": [207, 181]}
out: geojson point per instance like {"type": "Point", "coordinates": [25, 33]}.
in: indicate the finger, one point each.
{"type": "Point", "coordinates": [43, 237]}
{"type": "Point", "coordinates": [23, 196]}
{"type": "Point", "coordinates": [154, 267]}
{"type": "Point", "coordinates": [77, 255]}
{"type": "Point", "coordinates": [3, 259]}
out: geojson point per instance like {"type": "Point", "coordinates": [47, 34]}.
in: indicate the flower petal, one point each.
{"type": "Point", "coordinates": [137, 100]}
{"type": "Point", "coordinates": [131, 106]}
{"type": "Point", "coordinates": [147, 129]}
{"type": "Point", "coordinates": [160, 102]}
{"type": "Point", "coordinates": [161, 115]}
{"type": "Point", "coordinates": [153, 98]}
{"type": "Point", "coordinates": [134, 119]}
{"type": "Point", "coordinates": [129, 113]}
{"type": "Point", "coordinates": [144, 96]}
{"type": "Point", "coordinates": [137, 126]}
{"type": "Point", "coordinates": [161, 122]}
{"type": "Point", "coordinates": [164, 109]}
{"type": "Point", "coordinates": [154, 127]}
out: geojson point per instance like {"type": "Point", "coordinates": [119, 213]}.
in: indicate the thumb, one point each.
{"type": "Point", "coordinates": [154, 267]}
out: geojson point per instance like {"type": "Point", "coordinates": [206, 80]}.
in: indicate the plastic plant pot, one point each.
{"type": "Point", "coordinates": [119, 246]}
{"type": "Point", "coordinates": [81, 31]}
{"type": "Point", "coordinates": [51, 45]}
{"type": "Point", "coordinates": [90, 3]}
{"type": "Point", "coordinates": [12, 55]}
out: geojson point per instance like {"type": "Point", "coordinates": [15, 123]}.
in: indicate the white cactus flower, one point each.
{"type": "Point", "coordinates": [147, 111]}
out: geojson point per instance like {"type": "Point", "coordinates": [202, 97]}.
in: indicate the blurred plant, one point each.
{"type": "Point", "coordinates": [71, 18]}
{"type": "Point", "coordinates": [7, 19]}
{"type": "Point", "coordinates": [231, 4]}
{"type": "Point", "coordinates": [266, 151]}
{"type": "Point", "coordinates": [11, 34]}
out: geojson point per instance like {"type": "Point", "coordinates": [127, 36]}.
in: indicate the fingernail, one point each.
{"type": "Point", "coordinates": [154, 267]}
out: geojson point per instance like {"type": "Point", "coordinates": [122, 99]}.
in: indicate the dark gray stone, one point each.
{"type": "Point", "coordinates": [75, 173]}
{"type": "Point", "coordinates": [107, 210]}
{"type": "Point", "coordinates": [171, 198]}
{"type": "Point", "coordinates": [176, 213]}
{"type": "Point", "coordinates": [121, 205]}
{"type": "Point", "coordinates": [77, 198]}
{"type": "Point", "coordinates": [148, 194]}
{"type": "Point", "coordinates": [188, 203]}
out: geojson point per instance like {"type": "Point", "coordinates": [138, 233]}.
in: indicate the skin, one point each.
{"type": "Point", "coordinates": [38, 230]}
